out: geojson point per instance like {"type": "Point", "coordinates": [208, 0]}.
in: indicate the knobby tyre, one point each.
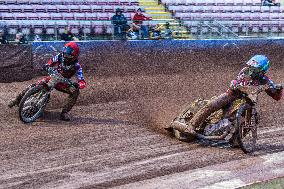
{"type": "Point", "coordinates": [29, 110]}
{"type": "Point", "coordinates": [246, 129]}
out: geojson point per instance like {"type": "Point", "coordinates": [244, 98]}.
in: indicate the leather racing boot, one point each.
{"type": "Point", "coordinates": [64, 116]}
{"type": "Point", "coordinates": [71, 101]}
{"type": "Point", "coordinates": [184, 128]}
{"type": "Point", "coordinates": [13, 103]}
{"type": "Point", "coordinates": [18, 98]}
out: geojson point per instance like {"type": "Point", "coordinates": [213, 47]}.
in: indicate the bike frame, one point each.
{"type": "Point", "coordinates": [252, 101]}
{"type": "Point", "coordinates": [39, 97]}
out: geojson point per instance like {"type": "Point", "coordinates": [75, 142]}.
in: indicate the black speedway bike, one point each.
{"type": "Point", "coordinates": [239, 129]}
{"type": "Point", "coordinates": [34, 101]}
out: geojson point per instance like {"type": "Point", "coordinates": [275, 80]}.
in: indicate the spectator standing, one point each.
{"type": "Point", "coordinates": [138, 23]}
{"type": "Point", "coordinates": [3, 39]}
{"type": "Point", "coordinates": [119, 22]}
{"type": "Point", "coordinates": [20, 39]}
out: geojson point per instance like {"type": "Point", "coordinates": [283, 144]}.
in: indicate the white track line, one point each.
{"type": "Point", "coordinates": [228, 175]}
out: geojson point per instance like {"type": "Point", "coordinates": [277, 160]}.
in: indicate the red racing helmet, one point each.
{"type": "Point", "coordinates": [70, 51]}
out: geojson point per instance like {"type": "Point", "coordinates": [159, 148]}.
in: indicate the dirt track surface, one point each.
{"type": "Point", "coordinates": [116, 134]}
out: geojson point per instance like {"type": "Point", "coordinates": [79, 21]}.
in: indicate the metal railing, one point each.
{"type": "Point", "coordinates": [206, 29]}
{"type": "Point", "coordinates": [191, 29]}
{"type": "Point", "coordinates": [89, 29]}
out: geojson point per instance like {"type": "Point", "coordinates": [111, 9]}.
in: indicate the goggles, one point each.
{"type": "Point", "coordinates": [68, 56]}
{"type": "Point", "coordinates": [254, 72]}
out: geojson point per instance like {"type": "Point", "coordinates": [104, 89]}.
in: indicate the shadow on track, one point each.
{"type": "Point", "coordinates": [268, 148]}
{"type": "Point", "coordinates": [54, 117]}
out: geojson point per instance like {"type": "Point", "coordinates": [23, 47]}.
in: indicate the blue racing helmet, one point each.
{"type": "Point", "coordinates": [259, 61]}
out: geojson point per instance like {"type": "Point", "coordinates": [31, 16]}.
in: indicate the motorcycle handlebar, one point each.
{"type": "Point", "coordinates": [263, 88]}
{"type": "Point", "coordinates": [252, 98]}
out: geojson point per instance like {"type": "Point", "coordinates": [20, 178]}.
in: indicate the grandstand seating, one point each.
{"type": "Point", "coordinates": [238, 16]}
{"type": "Point", "coordinates": [59, 16]}
{"type": "Point", "coordinates": [69, 2]}
{"type": "Point", "coordinates": [213, 2]}
{"type": "Point", "coordinates": [93, 16]}
{"type": "Point", "coordinates": [63, 8]}
{"type": "Point", "coordinates": [39, 16]}
{"type": "Point", "coordinates": [224, 9]}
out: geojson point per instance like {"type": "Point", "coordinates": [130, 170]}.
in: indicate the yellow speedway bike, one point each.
{"type": "Point", "coordinates": [37, 97]}
{"type": "Point", "coordinates": [239, 129]}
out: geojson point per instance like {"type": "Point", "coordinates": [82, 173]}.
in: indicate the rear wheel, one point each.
{"type": "Point", "coordinates": [32, 104]}
{"type": "Point", "coordinates": [246, 128]}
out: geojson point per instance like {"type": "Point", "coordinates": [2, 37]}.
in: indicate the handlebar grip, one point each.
{"type": "Point", "coordinates": [52, 71]}
{"type": "Point", "coordinates": [279, 86]}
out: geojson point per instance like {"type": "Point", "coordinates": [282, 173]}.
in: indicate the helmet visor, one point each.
{"type": "Point", "coordinates": [252, 63]}
{"type": "Point", "coordinates": [68, 56]}
{"type": "Point", "coordinates": [255, 72]}
{"type": "Point", "coordinates": [68, 53]}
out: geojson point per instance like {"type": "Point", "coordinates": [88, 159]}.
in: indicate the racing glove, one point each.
{"type": "Point", "coordinates": [278, 86]}
{"type": "Point", "coordinates": [276, 93]}
{"type": "Point", "coordinates": [82, 84]}
{"type": "Point", "coordinates": [52, 71]}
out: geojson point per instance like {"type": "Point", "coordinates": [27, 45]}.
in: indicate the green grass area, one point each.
{"type": "Point", "coordinates": [272, 184]}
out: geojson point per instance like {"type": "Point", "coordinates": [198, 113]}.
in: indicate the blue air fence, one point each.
{"type": "Point", "coordinates": [110, 58]}
{"type": "Point", "coordinates": [119, 58]}
{"type": "Point", "coordinates": [181, 29]}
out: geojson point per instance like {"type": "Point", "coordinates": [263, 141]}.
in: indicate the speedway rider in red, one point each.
{"type": "Point", "coordinates": [65, 63]}
{"type": "Point", "coordinates": [248, 80]}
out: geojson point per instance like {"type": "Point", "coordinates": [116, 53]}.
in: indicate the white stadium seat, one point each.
{"type": "Point", "coordinates": [224, 11]}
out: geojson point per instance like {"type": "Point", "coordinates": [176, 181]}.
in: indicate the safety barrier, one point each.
{"type": "Point", "coordinates": [15, 63]}
{"type": "Point", "coordinates": [120, 58]}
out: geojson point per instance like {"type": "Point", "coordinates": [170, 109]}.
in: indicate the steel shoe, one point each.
{"type": "Point", "coordinates": [65, 116]}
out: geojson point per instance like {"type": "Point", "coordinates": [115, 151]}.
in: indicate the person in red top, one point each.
{"type": "Point", "coordinates": [66, 64]}
{"type": "Point", "coordinates": [138, 23]}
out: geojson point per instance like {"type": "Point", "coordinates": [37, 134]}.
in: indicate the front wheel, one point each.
{"type": "Point", "coordinates": [32, 104]}
{"type": "Point", "coordinates": [246, 128]}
